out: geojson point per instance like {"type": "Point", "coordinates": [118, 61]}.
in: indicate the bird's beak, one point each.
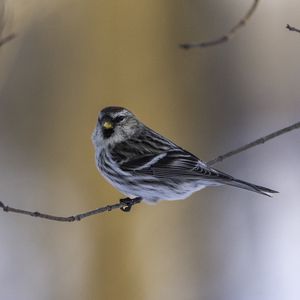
{"type": "Point", "coordinates": [107, 125]}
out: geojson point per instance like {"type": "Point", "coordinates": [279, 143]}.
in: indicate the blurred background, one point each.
{"type": "Point", "coordinates": [70, 59]}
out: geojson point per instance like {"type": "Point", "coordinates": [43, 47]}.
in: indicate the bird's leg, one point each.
{"type": "Point", "coordinates": [129, 203]}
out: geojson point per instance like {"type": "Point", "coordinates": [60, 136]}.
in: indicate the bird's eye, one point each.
{"type": "Point", "coordinates": [119, 119]}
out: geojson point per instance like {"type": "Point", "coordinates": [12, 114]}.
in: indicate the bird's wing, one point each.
{"type": "Point", "coordinates": [174, 163]}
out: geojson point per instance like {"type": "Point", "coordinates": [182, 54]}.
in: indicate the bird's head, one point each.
{"type": "Point", "coordinates": [115, 125]}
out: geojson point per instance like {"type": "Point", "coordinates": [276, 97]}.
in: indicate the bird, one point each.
{"type": "Point", "coordinates": [143, 164]}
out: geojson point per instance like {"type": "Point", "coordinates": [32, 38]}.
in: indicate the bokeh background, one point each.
{"type": "Point", "coordinates": [70, 59]}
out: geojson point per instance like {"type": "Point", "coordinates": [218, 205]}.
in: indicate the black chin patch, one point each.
{"type": "Point", "coordinates": [107, 132]}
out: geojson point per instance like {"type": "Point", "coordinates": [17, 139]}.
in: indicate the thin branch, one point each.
{"type": "Point", "coordinates": [254, 143]}
{"type": "Point", "coordinates": [291, 28]}
{"type": "Point", "coordinates": [124, 204]}
{"type": "Point", "coordinates": [7, 39]}
{"type": "Point", "coordinates": [127, 203]}
{"type": "Point", "coordinates": [226, 37]}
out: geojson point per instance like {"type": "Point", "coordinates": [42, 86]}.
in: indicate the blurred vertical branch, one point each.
{"type": "Point", "coordinates": [226, 37]}
{"type": "Point", "coordinates": [4, 38]}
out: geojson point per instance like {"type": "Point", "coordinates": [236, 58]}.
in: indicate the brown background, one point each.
{"type": "Point", "coordinates": [70, 59]}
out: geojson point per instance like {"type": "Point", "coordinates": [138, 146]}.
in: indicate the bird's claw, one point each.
{"type": "Point", "coordinates": [127, 206]}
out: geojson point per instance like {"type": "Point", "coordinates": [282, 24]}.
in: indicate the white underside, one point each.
{"type": "Point", "coordinates": [158, 191]}
{"type": "Point", "coordinates": [155, 194]}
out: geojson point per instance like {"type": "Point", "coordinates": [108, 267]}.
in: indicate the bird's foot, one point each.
{"type": "Point", "coordinates": [127, 206]}
{"type": "Point", "coordinates": [129, 203]}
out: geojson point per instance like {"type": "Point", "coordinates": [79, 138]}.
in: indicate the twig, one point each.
{"type": "Point", "coordinates": [7, 39]}
{"type": "Point", "coordinates": [126, 204]}
{"type": "Point", "coordinates": [254, 143]}
{"type": "Point", "coordinates": [226, 37]}
{"type": "Point", "coordinates": [291, 28]}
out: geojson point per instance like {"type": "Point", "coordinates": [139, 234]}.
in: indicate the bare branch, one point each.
{"type": "Point", "coordinates": [127, 203]}
{"type": "Point", "coordinates": [254, 143]}
{"type": "Point", "coordinates": [124, 204]}
{"type": "Point", "coordinates": [291, 28]}
{"type": "Point", "coordinates": [226, 37]}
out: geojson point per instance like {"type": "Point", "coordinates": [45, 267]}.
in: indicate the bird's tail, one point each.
{"type": "Point", "coordinates": [251, 187]}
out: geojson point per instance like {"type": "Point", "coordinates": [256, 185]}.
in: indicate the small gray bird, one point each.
{"type": "Point", "coordinates": [142, 163]}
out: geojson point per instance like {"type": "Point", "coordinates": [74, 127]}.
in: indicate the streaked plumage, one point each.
{"type": "Point", "coordinates": [141, 163]}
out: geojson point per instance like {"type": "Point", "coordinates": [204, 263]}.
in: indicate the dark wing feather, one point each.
{"type": "Point", "coordinates": [172, 164]}
{"type": "Point", "coordinates": [152, 154]}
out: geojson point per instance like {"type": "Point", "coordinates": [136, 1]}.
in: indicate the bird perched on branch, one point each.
{"type": "Point", "coordinates": [142, 163]}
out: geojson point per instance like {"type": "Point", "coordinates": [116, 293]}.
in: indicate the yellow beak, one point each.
{"type": "Point", "coordinates": [107, 125]}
